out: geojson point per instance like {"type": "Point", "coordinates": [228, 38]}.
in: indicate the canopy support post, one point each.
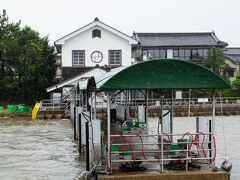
{"type": "Point", "coordinates": [86, 101]}
{"type": "Point", "coordinates": [95, 105]}
{"type": "Point", "coordinates": [212, 125]}
{"type": "Point", "coordinates": [171, 118]}
{"type": "Point", "coordinates": [109, 131]}
{"type": "Point", "coordinates": [146, 110]}
{"type": "Point", "coordinates": [189, 102]}
{"type": "Point", "coordinates": [91, 105]}
{"type": "Point", "coordinates": [161, 118]}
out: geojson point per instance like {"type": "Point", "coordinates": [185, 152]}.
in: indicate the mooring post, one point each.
{"type": "Point", "coordinates": [74, 124]}
{"type": "Point", "coordinates": [87, 148]}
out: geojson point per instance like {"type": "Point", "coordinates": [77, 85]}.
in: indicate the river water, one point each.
{"type": "Point", "coordinates": [38, 150]}
{"type": "Point", "coordinates": [226, 126]}
{"type": "Point", "coordinates": [45, 150]}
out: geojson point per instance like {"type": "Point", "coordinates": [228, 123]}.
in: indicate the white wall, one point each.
{"type": "Point", "coordinates": [169, 53]}
{"type": "Point", "coordinates": [84, 41]}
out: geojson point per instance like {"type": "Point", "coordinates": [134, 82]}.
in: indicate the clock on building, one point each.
{"type": "Point", "coordinates": [96, 56]}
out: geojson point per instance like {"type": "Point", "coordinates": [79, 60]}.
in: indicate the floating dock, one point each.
{"type": "Point", "coordinates": [131, 146]}
{"type": "Point", "coordinates": [181, 175]}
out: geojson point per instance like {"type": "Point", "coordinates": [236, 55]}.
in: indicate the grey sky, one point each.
{"type": "Point", "coordinates": [57, 18]}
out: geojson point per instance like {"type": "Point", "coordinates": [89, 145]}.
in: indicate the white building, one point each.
{"type": "Point", "coordinates": [95, 44]}
{"type": "Point", "coordinates": [99, 45]}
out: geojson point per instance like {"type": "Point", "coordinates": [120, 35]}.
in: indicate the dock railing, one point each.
{"type": "Point", "coordinates": [54, 104]}
{"type": "Point", "coordinates": [51, 104]}
{"type": "Point", "coordinates": [185, 101]}
{"type": "Point", "coordinates": [163, 148]}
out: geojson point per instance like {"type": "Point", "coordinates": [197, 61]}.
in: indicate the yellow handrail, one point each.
{"type": "Point", "coordinates": [35, 111]}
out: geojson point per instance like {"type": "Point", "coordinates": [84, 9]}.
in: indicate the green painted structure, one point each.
{"type": "Point", "coordinates": [161, 74]}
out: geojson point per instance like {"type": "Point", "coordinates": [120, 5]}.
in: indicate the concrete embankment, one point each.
{"type": "Point", "coordinates": [154, 111]}
{"type": "Point", "coordinates": [56, 114]}
{"type": "Point", "coordinates": [196, 110]}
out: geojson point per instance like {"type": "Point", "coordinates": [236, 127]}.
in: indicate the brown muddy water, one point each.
{"type": "Point", "coordinates": [38, 150]}
{"type": "Point", "coordinates": [45, 150]}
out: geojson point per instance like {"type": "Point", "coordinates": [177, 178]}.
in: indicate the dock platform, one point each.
{"type": "Point", "coordinates": [180, 175]}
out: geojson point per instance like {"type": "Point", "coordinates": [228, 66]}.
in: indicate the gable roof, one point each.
{"type": "Point", "coordinates": [96, 22]}
{"type": "Point", "coordinates": [233, 54]}
{"type": "Point", "coordinates": [73, 81]}
{"type": "Point", "coordinates": [179, 39]}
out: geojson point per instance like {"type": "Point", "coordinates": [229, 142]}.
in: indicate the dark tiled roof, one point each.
{"type": "Point", "coordinates": [232, 54]}
{"type": "Point", "coordinates": [232, 50]}
{"type": "Point", "coordinates": [178, 39]}
{"type": "Point", "coordinates": [71, 72]}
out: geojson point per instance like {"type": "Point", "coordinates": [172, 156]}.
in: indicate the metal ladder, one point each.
{"type": "Point", "coordinates": [66, 100]}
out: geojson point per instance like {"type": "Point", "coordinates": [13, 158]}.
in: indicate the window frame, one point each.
{"type": "Point", "coordinates": [96, 33]}
{"type": "Point", "coordinates": [175, 56]}
{"type": "Point", "coordinates": [84, 57]}
{"type": "Point", "coordinates": [152, 52]}
{"type": "Point", "coordinates": [109, 56]}
{"type": "Point", "coordinates": [200, 54]}
{"type": "Point", "coordinates": [165, 53]}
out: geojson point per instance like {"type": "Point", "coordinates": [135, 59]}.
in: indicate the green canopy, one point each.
{"type": "Point", "coordinates": [161, 74]}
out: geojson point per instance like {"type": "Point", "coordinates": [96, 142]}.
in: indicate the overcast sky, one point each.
{"type": "Point", "coordinates": [56, 18]}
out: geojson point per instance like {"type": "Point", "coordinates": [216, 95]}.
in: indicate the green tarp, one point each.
{"type": "Point", "coordinates": [161, 74]}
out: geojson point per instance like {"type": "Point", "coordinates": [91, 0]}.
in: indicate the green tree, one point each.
{"type": "Point", "coordinates": [27, 62]}
{"type": "Point", "coordinates": [8, 53]}
{"type": "Point", "coordinates": [37, 65]}
{"type": "Point", "coordinates": [236, 82]}
{"type": "Point", "coordinates": [215, 60]}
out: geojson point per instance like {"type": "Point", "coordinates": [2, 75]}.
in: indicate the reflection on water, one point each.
{"type": "Point", "coordinates": [38, 150]}
{"type": "Point", "coordinates": [45, 149]}
{"type": "Point", "coordinates": [232, 136]}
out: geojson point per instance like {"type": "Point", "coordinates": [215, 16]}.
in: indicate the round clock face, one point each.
{"type": "Point", "coordinates": [96, 56]}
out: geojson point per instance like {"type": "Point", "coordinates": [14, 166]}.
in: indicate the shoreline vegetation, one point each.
{"type": "Point", "coordinates": [6, 115]}
{"type": "Point", "coordinates": [15, 111]}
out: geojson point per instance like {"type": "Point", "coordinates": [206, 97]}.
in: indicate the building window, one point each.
{"type": "Point", "coordinates": [200, 53]}
{"type": "Point", "coordinates": [96, 33]}
{"type": "Point", "coordinates": [163, 53]}
{"type": "Point", "coordinates": [205, 53]}
{"type": "Point", "coordinates": [194, 54]}
{"type": "Point", "coordinates": [150, 53]}
{"type": "Point", "coordinates": [145, 53]}
{"type": "Point", "coordinates": [230, 73]}
{"type": "Point", "coordinates": [181, 53]}
{"type": "Point", "coordinates": [154, 53]}
{"type": "Point", "coordinates": [78, 57]}
{"type": "Point", "coordinates": [175, 54]}
{"type": "Point", "coordinates": [187, 54]}
{"type": "Point", "coordinates": [115, 57]}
